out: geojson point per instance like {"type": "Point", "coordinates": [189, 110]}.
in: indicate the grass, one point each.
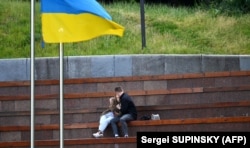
{"type": "Point", "coordinates": [169, 30]}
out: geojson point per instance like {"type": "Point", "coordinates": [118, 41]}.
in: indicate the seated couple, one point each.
{"type": "Point", "coordinates": [121, 109]}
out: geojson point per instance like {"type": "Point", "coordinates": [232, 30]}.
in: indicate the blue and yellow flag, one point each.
{"type": "Point", "coordinates": [76, 20]}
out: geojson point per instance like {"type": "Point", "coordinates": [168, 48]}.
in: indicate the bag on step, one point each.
{"type": "Point", "coordinates": [145, 117]}
{"type": "Point", "coordinates": [155, 117]}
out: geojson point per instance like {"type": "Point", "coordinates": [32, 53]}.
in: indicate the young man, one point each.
{"type": "Point", "coordinates": [127, 109]}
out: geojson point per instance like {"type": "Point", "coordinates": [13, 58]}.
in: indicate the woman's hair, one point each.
{"type": "Point", "coordinates": [112, 106]}
{"type": "Point", "coordinates": [113, 102]}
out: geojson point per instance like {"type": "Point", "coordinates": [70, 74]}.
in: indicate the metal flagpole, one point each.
{"type": "Point", "coordinates": [32, 81]}
{"type": "Point", "coordinates": [61, 97]}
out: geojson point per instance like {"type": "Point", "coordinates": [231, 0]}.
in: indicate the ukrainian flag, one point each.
{"type": "Point", "coordinates": [76, 20]}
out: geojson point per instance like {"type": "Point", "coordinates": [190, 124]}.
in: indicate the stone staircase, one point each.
{"type": "Point", "coordinates": [211, 101]}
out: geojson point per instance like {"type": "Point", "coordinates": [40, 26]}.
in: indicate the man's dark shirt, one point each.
{"type": "Point", "coordinates": [128, 106]}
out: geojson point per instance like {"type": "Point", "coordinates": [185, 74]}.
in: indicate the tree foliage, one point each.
{"type": "Point", "coordinates": [229, 7]}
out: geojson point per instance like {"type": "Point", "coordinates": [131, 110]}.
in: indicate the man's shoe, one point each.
{"type": "Point", "coordinates": [116, 136]}
{"type": "Point", "coordinates": [98, 134]}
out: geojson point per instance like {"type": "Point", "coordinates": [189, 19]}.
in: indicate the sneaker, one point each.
{"type": "Point", "coordinates": [98, 134]}
{"type": "Point", "coordinates": [116, 136]}
{"type": "Point", "coordinates": [125, 136]}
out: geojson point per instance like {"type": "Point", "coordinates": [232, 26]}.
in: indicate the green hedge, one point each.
{"type": "Point", "coordinates": [220, 6]}
{"type": "Point", "coordinates": [229, 7]}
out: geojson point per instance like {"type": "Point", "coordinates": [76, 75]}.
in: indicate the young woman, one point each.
{"type": "Point", "coordinates": [107, 115]}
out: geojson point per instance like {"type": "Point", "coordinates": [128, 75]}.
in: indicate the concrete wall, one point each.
{"type": "Point", "coordinates": [121, 65]}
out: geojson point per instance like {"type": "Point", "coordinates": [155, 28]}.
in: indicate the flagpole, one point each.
{"type": "Point", "coordinates": [32, 81]}
{"type": "Point", "coordinates": [61, 97]}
